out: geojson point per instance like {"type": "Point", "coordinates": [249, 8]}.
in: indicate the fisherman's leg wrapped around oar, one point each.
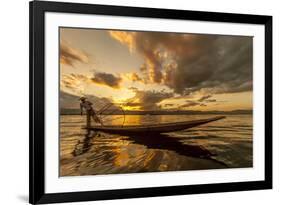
{"type": "Point", "coordinates": [94, 116]}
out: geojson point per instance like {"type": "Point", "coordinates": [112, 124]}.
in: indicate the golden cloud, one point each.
{"type": "Point", "coordinates": [126, 38]}
{"type": "Point", "coordinates": [75, 82]}
{"type": "Point", "coordinates": [133, 77]}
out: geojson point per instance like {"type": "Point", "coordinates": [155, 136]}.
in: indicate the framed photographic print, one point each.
{"type": "Point", "coordinates": [140, 102]}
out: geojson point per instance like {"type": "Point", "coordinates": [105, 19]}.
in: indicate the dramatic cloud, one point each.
{"type": "Point", "coordinates": [69, 55]}
{"type": "Point", "coordinates": [107, 79]}
{"type": "Point", "coordinates": [189, 63]}
{"type": "Point", "coordinates": [147, 100]}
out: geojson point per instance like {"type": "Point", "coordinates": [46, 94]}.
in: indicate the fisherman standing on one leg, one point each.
{"type": "Point", "coordinates": [87, 105]}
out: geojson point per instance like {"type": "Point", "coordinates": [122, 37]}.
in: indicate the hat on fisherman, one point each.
{"type": "Point", "coordinates": [82, 98]}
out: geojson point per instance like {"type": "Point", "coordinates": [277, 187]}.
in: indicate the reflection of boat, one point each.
{"type": "Point", "coordinates": [152, 128]}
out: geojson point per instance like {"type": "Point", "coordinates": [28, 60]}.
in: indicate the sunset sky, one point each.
{"type": "Point", "coordinates": [156, 70]}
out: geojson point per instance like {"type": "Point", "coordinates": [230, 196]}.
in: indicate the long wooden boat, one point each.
{"type": "Point", "coordinates": [152, 128]}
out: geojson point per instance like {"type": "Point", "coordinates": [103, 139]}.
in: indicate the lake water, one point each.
{"type": "Point", "coordinates": [226, 143]}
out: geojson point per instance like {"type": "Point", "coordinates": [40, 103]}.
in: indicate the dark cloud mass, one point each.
{"type": "Point", "coordinates": [190, 62]}
{"type": "Point", "coordinates": [107, 79]}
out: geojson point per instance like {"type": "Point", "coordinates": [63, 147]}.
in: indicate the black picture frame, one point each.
{"type": "Point", "coordinates": [37, 194]}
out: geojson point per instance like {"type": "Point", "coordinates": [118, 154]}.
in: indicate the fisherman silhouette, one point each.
{"type": "Point", "coordinates": [87, 105]}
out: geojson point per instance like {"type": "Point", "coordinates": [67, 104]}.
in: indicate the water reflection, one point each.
{"type": "Point", "coordinates": [83, 146]}
{"type": "Point", "coordinates": [212, 146]}
{"type": "Point", "coordinates": [166, 142]}
{"type": "Point", "coordinates": [155, 141]}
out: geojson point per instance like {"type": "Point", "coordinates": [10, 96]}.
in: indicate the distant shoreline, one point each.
{"type": "Point", "coordinates": [164, 112]}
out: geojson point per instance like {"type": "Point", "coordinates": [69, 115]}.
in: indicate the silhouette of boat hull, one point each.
{"type": "Point", "coordinates": [152, 128]}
